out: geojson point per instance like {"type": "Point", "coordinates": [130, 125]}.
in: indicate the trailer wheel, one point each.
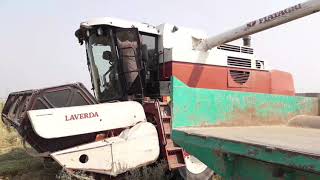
{"type": "Point", "coordinates": [195, 169]}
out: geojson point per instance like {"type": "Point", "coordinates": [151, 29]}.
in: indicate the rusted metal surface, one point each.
{"type": "Point", "coordinates": [250, 117]}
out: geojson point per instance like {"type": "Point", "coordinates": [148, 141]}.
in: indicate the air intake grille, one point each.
{"type": "Point", "coordinates": [233, 48]}
{"type": "Point", "coordinates": [239, 62]}
{"type": "Point", "coordinates": [239, 77]}
{"type": "Point", "coordinates": [259, 64]}
{"type": "Point", "coordinates": [228, 47]}
{"type": "Point", "coordinates": [246, 50]}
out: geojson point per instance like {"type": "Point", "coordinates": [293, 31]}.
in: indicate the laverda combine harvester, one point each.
{"type": "Point", "coordinates": [150, 84]}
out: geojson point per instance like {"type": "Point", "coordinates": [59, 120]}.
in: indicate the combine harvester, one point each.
{"type": "Point", "coordinates": [167, 92]}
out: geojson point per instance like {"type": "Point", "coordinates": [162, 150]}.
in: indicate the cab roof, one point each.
{"type": "Point", "coordinates": [143, 27]}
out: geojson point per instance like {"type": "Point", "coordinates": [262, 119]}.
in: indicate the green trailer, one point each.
{"type": "Point", "coordinates": [244, 135]}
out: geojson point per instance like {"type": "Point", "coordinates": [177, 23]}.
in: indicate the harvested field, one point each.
{"type": "Point", "coordinates": [15, 163]}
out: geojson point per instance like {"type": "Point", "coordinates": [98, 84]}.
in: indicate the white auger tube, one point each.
{"type": "Point", "coordinates": [267, 22]}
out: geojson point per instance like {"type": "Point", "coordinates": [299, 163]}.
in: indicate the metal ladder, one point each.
{"type": "Point", "coordinates": [174, 153]}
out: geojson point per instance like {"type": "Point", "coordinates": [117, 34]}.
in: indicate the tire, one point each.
{"type": "Point", "coordinates": [195, 170]}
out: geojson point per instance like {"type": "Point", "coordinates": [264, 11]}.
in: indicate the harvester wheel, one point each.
{"type": "Point", "coordinates": [195, 169]}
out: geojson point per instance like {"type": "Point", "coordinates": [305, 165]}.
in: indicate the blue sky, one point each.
{"type": "Point", "coordinates": [38, 46]}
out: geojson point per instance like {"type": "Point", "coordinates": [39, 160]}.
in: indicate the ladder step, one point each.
{"type": "Point", "coordinates": [167, 128]}
{"type": "Point", "coordinates": [170, 143]}
{"type": "Point", "coordinates": [165, 111]}
{"type": "Point", "coordinates": [177, 165]}
{"type": "Point", "coordinates": [173, 149]}
{"type": "Point", "coordinates": [163, 103]}
{"type": "Point", "coordinates": [166, 117]}
{"type": "Point", "coordinates": [168, 136]}
{"type": "Point", "coordinates": [175, 157]}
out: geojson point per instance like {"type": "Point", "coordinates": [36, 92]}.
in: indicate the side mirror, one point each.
{"type": "Point", "coordinates": [107, 55]}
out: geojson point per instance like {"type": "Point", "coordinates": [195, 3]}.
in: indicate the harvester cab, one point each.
{"type": "Point", "coordinates": [121, 60]}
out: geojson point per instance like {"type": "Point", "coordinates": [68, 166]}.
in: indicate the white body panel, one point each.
{"type": "Point", "coordinates": [178, 46]}
{"type": "Point", "coordinates": [134, 147]}
{"type": "Point", "coordinates": [69, 121]}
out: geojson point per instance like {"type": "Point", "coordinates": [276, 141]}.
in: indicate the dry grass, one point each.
{"type": "Point", "coordinates": [158, 171]}
{"type": "Point", "coordinates": [15, 163]}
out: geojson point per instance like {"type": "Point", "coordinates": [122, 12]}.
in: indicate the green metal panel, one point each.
{"type": "Point", "coordinates": [195, 107]}
{"type": "Point", "coordinates": [207, 107]}
{"type": "Point", "coordinates": [234, 160]}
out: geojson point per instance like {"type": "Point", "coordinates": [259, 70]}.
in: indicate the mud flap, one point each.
{"type": "Point", "coordinates": [134, 147]}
